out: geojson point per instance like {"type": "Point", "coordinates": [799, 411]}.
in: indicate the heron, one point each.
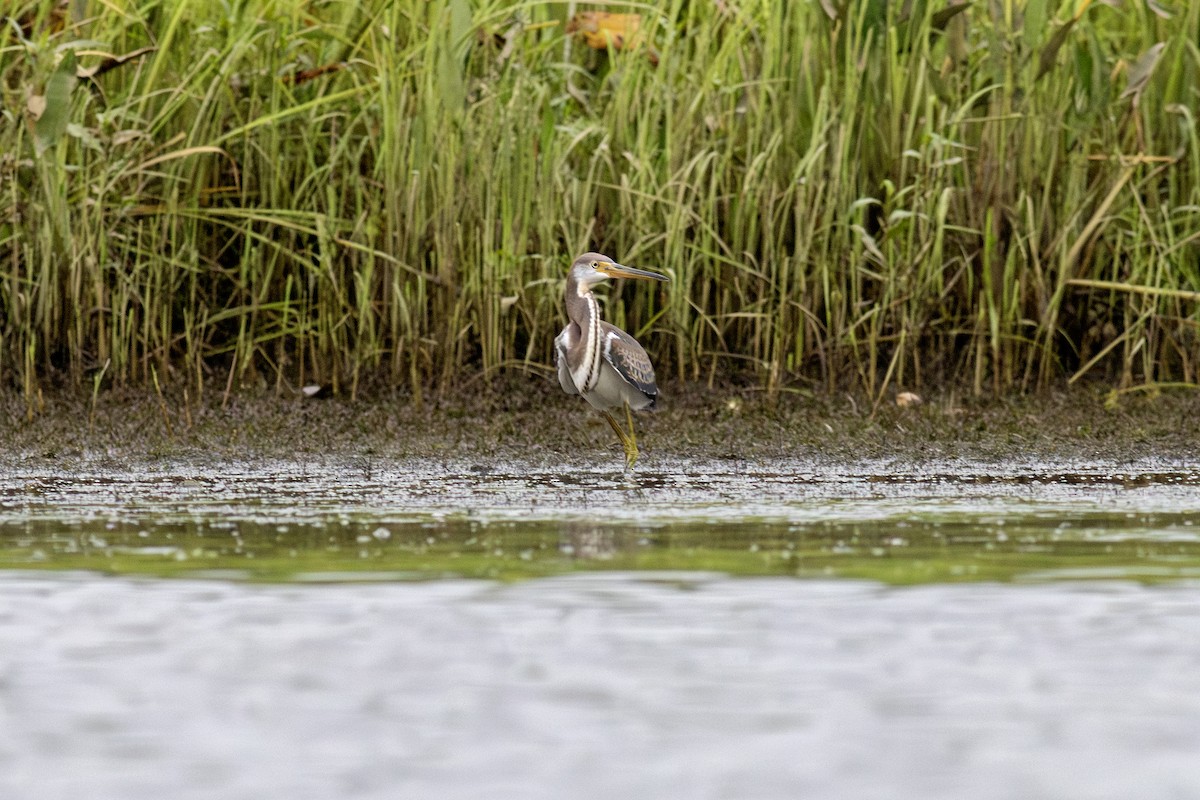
{"type": "Point", "coordinates": [598, 360]}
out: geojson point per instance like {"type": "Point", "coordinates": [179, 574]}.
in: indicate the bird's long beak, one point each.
{"type": "Point", "coordinates": [615, 270]}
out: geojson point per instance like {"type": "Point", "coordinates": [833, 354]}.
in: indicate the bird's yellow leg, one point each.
{"type": "Point", "coordinates": [632, 435]}
{"type": "Point", "coordinates": [630, 445]}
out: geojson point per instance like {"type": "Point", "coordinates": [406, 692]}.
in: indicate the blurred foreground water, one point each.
{"type": "Point", "coordinates": [597, 686]}
{"type": "Point", "coordinates": [717, 630]}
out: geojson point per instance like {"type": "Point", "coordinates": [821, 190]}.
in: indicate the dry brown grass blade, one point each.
{"type": "Point", "coordinates": [1131, 288]}
{"type": "Point", "coordinates": [110, 61]}
{"type": "Point", "coordinates": [1097, 217]}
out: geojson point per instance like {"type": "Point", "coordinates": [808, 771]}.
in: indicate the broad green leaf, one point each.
{"type": "Point", "coordinates": [52, 124]}
{"type": "Point", "coordinates": [941, 19]}
{"type": "Point", "coordinates": [461, 25]}
{"type": "Point", "coordinates": [452, 50]}
{"type": "Point", "coordinates": [1036, 21]}
{"type": "Point", "coordinates": [1049, 54]}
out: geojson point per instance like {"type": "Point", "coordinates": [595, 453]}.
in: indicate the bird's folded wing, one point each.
{"type": "Point", "coordinates": [628, 358]}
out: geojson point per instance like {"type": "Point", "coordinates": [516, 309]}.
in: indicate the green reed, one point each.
{"type": "Point", "coordinates": [1003, 195]}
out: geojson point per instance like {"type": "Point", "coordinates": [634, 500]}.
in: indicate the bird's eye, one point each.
{"type": "Point", "coordinates": [595, 265]}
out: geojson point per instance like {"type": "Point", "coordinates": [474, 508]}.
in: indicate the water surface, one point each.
{"type": "Point", "coordinates": [347, 518]}
{"type": "Point", "coordinates": [351, 628]}
{"type": "Point", "coordinates": [676, 685]}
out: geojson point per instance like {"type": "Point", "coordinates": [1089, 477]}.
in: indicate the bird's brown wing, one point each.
{"type": "Point", "coordinates": [628, 358]}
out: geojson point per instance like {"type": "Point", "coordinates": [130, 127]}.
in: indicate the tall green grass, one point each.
{"type": "Point", "coordinates": [867, 195]}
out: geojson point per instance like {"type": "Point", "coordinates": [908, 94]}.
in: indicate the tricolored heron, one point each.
{"type": "Point", "coordinates": [598, 360]}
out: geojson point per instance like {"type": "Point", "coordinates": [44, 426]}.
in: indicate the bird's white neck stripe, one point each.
{"type": "Point", "coordinates": [587, 374]}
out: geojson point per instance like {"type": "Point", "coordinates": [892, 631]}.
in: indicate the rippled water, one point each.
{"type": "Point", "coordinates": [998, 631]}
{"type": "Point", "coordinates": [598, 686]}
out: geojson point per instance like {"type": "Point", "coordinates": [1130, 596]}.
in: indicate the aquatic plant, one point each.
{"type": "Point", "coordinates": [863, 195]}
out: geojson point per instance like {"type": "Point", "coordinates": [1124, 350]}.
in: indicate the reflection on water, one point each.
{"type": "Point", "coordinates": [302, 520]}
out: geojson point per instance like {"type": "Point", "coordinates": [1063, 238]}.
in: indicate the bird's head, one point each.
{"type": "Point", "coordinates": [592, 268]}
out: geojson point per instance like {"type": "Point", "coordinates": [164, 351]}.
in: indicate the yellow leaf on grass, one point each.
{"type": "Point", "coordinates": [600, 29]}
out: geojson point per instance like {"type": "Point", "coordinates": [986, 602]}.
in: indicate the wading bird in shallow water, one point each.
{"type": "Point", "coordinates": [598, 360]}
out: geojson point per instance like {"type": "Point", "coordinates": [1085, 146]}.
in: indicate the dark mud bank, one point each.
{"type": "Point", "coordinates": [529, 422]}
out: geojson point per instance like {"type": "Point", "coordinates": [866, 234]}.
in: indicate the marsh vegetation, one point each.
{"type": "Point", "coordinates": [1002, 196]}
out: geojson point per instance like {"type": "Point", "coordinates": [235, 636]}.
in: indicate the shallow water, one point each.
{"type": "Point", "coordinates": [898, 523]}
{"type": "Point", "coordinates": [941, 630]}
{"type": "Point", "coordinates": [677, 685]}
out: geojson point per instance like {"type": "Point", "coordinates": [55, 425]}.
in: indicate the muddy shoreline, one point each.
{"type": "Point", "coordinates": [529, 421]}
{"type": "Point", "coordinates": [530, 483]}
